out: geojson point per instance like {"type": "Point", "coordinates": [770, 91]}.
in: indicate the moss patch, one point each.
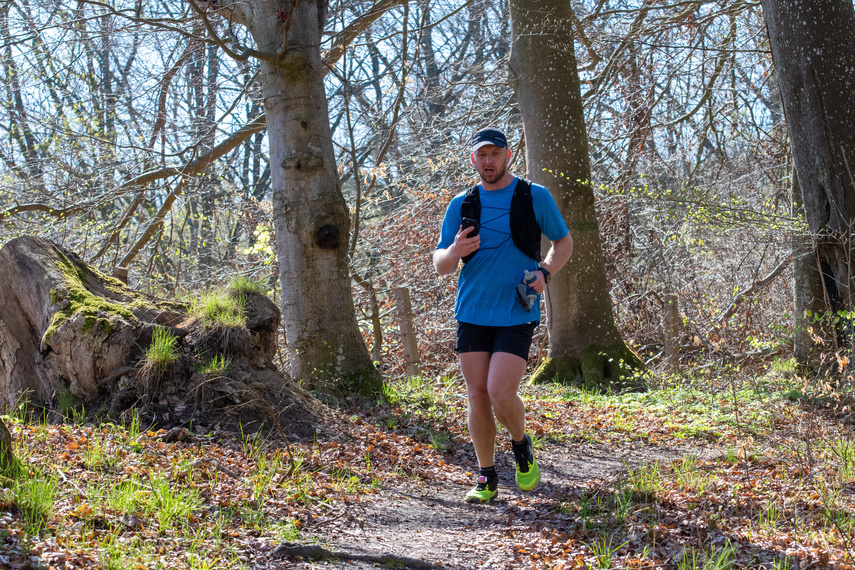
{"type": "Point", "coordinates": [79, 300]}
{"type": "Point", "coordinates": [596, 368]}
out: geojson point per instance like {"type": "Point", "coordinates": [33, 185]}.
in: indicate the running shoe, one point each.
{"type": "Point", "coordinates": [528, 472]}
{"type": "Point", "coordinates": [484, 492]}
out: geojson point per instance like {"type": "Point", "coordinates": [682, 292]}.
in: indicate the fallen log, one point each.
{"type": "Point", "coordinates": [69, 331]}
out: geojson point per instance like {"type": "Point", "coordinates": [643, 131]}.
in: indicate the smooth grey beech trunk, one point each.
{"type": "Point", "coordinates": [808, 290]}
{"type": "Point", "coordinates": [325, 348]}
{"type": "Point", "coordinates": [584, 343]}
{"type": "Point", "coordinates": [813, 48]}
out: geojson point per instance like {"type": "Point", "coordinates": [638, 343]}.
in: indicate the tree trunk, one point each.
{"type": "Point", "coordinates": [585, 346]}
{"type": "Point", "coordinates": [813, 48]}
{"type": "Point", "coordinates": [6, 457]}
{"type": "Point", "coordinates": [310, 215]}
{"type": "Point", "coordinates": [808, 290]}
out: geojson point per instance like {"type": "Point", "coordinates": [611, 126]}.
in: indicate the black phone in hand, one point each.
{"type": "Point", "coordinates": [470, 223]}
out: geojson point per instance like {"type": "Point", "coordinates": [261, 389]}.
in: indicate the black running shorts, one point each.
{"type": "Point", "coordinates": [478, 338]}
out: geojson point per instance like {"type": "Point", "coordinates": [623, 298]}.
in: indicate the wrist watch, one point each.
{"type": "Point", "coordinates": [546, 274]}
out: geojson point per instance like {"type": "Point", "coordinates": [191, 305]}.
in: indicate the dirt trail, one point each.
{"type": "Point", "coordinates": [427, 524]}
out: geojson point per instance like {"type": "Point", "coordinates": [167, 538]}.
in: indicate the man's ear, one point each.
{"type": "Point", "coordinates": [509, 154]}
{"type": "Point", "coordinates": [472, 158]}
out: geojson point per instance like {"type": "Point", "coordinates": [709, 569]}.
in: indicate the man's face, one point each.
{"type": "Point", "coordinates": [491, 162]}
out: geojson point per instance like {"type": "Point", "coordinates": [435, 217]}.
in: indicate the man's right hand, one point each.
{"type": "Point", "coordinates": [445, 261]}
{"type": "Point", "coordinates": [464, 245]}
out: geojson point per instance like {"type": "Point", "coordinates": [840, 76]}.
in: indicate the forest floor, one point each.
{"type": "Point", "coordinates": [714, 470]}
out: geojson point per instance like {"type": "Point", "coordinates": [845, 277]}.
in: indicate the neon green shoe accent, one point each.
{"type": "Point", "coordinates": [484, 492]}
{"type": "Point", "coordinates": [528, 481]}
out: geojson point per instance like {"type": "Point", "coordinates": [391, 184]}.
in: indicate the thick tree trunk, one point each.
{"type": "Point", "coordinates": [7, 458]}
{"type": "Point", "coordinates": [312, 222]}
{"type": "Point", "coordinates": [808, 290]}
{"type": "Point", "coordinates": [813, 48]}
{"type": "Point", "coordinates": [585, 345]}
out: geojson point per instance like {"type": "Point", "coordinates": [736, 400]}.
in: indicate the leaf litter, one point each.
{"type": "Point", "coordinates": [628, 482]}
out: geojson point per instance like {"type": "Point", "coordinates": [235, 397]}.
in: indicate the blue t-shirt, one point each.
{"type": "Point", "coordinates": [486, 288]}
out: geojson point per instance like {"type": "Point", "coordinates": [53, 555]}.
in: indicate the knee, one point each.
{"type": "Point", "coordinates": [478, 397]}
{"type": "Point", "coordinates": [501, 396]}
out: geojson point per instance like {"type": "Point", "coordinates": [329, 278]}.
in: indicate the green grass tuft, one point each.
{"type": "Point", "coordinates": [218, 310]}
{"type": "Point", "coordinates": [163, 350]}
{"type": "Point", "coordinates": [241, 285]}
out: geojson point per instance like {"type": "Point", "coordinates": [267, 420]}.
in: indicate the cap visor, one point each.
{"type": "Point", "coordinates": [476, 146]}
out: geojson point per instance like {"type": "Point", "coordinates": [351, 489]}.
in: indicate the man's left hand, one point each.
{"type": "Point", "coordinates": [539, 284]}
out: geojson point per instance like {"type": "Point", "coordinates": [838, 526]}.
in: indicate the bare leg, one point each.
{"type": "Point", "coordinates": [492, 383]}
{"type": "Point", "coordinates": [503, 383]}
{"type": "Point", "coordinates": [482, 427]}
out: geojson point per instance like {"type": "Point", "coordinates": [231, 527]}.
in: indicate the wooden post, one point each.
{"type": "Point", "coordinates": [409, 341]}
{"type": "Point", "coordinates": [672, 325]}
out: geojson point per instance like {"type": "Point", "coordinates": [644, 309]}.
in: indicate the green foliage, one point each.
{"type": "Point", "coordinates": [688, 473]}
{"type": "Point", "coordinates": [645, 481]}
{"type": "Point", "coordinates": [217, 365]}
{"type": "Point", "coordinates": [172, 503]}
{"type": "Point", "coordinates": [34, 494]}
{"type": "Point", "coordinates": [163, 350]}
{"type": "Point", "coordinates": [65, 401]}
{"type": "Point", "coordinates": [127, 496]}
{"type": "Point", "coordinates": [605, 550]}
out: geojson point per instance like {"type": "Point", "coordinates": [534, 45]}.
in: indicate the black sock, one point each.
{"type": "Point", "coordinates": [522, 444]}
{"type": "Point", "coordinates": [489, 472]}
{"type": "Point", "coordinates": [522, 453]}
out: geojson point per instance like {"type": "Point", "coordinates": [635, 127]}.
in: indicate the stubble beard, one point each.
{"type": "Point", "coordinates": [497, 175]}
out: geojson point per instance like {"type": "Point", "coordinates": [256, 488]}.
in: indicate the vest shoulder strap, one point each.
{"type": "Point", "coordinates": [525, 230]}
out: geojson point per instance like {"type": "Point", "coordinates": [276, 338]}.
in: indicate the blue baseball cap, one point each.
{"type": "Point", "coordinates": [488, 135]}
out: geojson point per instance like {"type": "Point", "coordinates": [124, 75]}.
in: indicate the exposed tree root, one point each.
{"type": "Point", "coordinates": [596, 368]}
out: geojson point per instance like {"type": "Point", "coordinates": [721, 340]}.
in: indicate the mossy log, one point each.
{"type": "Point", "coordinates": [598, 368]}
{"type": "Point", "coordinates": [64, 326]}
{"type": "Point", "coordinates": [70, 335]}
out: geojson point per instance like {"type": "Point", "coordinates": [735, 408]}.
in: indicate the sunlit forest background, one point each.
{"type": "Point", "coordinates": [133, 139]}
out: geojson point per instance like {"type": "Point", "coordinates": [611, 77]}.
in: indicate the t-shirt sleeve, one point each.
{"type": "Point", "coordinates": [450, 224]}
{"type": "Point", "coordinates": [551, 221]}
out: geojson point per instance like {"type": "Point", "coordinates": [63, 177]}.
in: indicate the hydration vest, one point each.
{"type": "Point", "coordinates": [525, 231]}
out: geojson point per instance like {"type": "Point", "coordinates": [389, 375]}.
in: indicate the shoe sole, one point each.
{"type": "Point", "coordinates": [478, 501]}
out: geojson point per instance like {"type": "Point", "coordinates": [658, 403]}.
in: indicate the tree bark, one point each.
{"type": "Point", "coordinates": [56, 316]}
{"type": "Point", "coordinates": [325, 347]}
{"type": "Point", "coordinates": [808, 290]}
{"type": "Point", "coordinates": [6, 456]}
{"type": "Point", "coordinates": [813, 48]}
{"type": "Point", "coordinates": [585, 346]}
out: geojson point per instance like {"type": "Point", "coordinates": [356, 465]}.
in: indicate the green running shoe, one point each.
{"type": "Point", "coordinates": [484, 492]}
{"type": "Point", "coordinates": [528, 481]}
{"type": "Point", "coordinates": [528, 472]}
